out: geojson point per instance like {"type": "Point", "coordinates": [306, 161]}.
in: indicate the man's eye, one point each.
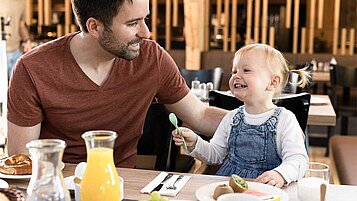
{"type": "Point", "coordinates": [132, 24]}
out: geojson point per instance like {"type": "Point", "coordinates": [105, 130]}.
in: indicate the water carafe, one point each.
{"type": "Point", "coordinates": [46, 182]}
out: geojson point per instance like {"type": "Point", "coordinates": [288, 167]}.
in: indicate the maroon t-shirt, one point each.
{"type": "Point", "coordinates": [49, 87]}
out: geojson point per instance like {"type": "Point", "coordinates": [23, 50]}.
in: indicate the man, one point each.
{"type": "Point", "coordinates": [19, 38]}
{"type": "Point", "coordinates": [104, 77]}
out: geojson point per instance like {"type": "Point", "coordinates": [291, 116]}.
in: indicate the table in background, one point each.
{"type": "Point", "coordinates": [136, 179]}
{"type": "Point", "coordinates": [321, 76]}
{"type": "Point", "coordinates": [322, 115]}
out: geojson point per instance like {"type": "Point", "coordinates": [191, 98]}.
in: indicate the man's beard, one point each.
{"type": "Point", "coordinates": [121, 50]}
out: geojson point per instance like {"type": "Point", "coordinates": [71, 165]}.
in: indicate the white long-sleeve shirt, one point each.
{"type": "Point", "coordinates": [289, 140]}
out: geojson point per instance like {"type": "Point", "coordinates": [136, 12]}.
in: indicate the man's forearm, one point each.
{"type": "Point", "coordinates": [209, 123]}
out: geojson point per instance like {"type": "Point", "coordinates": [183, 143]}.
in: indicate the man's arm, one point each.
{"type": "Point", "coordinates": [25, 36]}
{"type": "Point", "coordinates": [197, 114]}
{"type": "Point", "coordinates": [18, 137]}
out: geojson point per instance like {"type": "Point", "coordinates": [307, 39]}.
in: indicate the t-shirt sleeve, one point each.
{"type": "Point", "coordinates": [24, 107]}
{"type": "Point", "coordinates": [172, 86]}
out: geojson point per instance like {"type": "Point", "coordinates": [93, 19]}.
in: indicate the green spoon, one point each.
{"type": "Point", "coordinates": [173, 120]}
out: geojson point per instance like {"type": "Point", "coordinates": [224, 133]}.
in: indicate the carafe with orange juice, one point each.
{"type": "Point", "coordinates": [100, 180]}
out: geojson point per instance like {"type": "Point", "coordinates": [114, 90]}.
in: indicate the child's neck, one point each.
{"type": "Point", "coordinates": [258, 108]}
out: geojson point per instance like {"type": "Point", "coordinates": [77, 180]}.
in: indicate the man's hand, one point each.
{"type": "Point", "coordinates": [26, 45]}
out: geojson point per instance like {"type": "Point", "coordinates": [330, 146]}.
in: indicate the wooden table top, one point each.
{"type": "Point", "coordinates": [136, 179]}
{"type": "Point", "coordinates": [321, 76]}
{"type": "Point", "coordinates": [323, 114]}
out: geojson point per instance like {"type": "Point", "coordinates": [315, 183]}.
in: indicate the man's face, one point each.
{"type": "Point", "coordinates": [128, 30]}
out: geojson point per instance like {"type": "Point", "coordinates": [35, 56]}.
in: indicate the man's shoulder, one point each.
{"type": "Point", "coordinates": [48, 49]}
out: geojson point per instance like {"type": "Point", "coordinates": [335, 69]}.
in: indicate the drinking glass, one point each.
{"type": "Point", "coordinates": [100, 180]}
{"type": "Point", "coordinates": [309, 186]}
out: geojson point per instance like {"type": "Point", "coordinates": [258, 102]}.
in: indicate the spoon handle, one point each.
{"type": "Point", "coordinates": [183, 139]}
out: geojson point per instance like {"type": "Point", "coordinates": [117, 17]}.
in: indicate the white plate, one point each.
{"type": "Point", "coordinates": [318, 101]}
{"type": "Point", "coordinates": [25, 176]}
{"type": "Point", "coordinates": [205, 193]}
{"type": "Point", "coordinates": [3, 184]}
{"type": "Point", "coordinates": [8, 176]}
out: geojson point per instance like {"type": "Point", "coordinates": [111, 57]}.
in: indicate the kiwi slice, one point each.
{"type": "Point", "coordinates": [238, 184]}
{"type": "Point", "coordinates": [222, 189]}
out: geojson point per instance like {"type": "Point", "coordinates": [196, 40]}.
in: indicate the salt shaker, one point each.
{"type": "Point", "coordinates": [209, 86]}
{"type": "Point", "coordinates": [203, 91]}
{"type": "Point", "coordinates": [195, 88]}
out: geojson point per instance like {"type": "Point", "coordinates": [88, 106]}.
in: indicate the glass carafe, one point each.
{"type": "Point", "coordinates": [100, 180]}
{"type": "Point", "coordinates": [46, 182]}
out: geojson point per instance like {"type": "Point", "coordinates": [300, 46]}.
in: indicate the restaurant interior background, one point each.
{"type": "Point", "coordinates": [215, 29]}
{"type": "Point", "coordinates": [203, 34]}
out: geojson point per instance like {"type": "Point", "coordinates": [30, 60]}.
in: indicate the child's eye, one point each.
{"type": "Point", "coordinates": [234, 72]}
{"type": "Point", "coordinates": [246, 70]}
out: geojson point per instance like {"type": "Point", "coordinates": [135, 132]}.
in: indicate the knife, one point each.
{"type": "Point", "coordinates": [158, 187]}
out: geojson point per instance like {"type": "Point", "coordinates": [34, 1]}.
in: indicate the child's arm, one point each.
{"type": "Point", "coordinates": [212, 152]}
{"type": "Point", "coordinates": [291, 148]}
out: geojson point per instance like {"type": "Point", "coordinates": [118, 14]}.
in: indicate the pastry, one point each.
{"type": "Point", "coordinates": [18, 164]}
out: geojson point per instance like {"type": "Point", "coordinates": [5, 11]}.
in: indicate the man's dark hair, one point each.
{"type": "Point", "coordinates": [102, 10]}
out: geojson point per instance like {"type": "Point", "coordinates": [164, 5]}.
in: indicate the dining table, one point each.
{"type": "Point", "coordinates": [321, 76]}
{"type": "Point", "coordinates": [321, 113]}
{"type": "Point", "coordinates": [136, 179]}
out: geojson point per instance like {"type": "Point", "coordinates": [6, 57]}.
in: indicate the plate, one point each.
{"type": "Point", "coordinates": [3, 184]}
{"type": "Point", "coordinates": [318, 101]}
{"type": "Point", "coordinates": [25, 176]}
{"type": "Point", "coordinates": [205, 193]}
{"type": "Point", "coordinates": [9, 176]}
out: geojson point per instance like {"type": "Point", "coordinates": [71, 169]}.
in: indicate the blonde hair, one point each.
{"type": "Point", "coordinates": [277, 65]}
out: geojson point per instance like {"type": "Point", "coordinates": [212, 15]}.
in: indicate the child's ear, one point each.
{"type": "Point", "coordinates": [274, 83]}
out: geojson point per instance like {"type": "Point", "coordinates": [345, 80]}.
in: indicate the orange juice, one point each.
{"type": "Point", "coordinates": [100, 179]}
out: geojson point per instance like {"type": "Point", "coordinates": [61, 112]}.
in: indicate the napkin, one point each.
{"type": "Point", "coordinates": [164, 191]}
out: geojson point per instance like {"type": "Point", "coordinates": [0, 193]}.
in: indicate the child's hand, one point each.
{"type": "Point", "coordinates": [272, 178]}
{"type": "Point", "coordinates": [188, 134]}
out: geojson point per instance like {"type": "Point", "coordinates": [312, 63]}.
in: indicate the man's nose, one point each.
{"type": "Point", "coordinates": [144, 31]}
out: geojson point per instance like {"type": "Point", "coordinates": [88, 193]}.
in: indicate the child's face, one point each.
{"type": "Point", "coordinates": [251, 78]}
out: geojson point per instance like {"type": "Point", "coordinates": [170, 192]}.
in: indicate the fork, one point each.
{"type": "Point", "coordinates": [173, 187]}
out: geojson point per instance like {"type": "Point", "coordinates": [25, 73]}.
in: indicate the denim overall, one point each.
{"type": "Point", "coordinates": [251, 148]}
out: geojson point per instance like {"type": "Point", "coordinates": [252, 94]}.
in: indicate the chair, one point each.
{"type": "Point", "coordinates": [297, 103]}
{"type": "Point", "coordinates": [156, 149]}
{"type": "Point", "coordinates": [345, 106]}
{"type": "Point", "coordinates": [343, 159]}
{"type": "Point", "coordinates": [210, 75]}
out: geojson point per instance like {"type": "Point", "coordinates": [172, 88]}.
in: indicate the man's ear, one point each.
{"type": "Point", "coordinates": [94, 27]}
{"type": "Point", "coordinates": [274, 83]}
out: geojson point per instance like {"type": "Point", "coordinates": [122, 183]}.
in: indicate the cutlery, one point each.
{"type": "Point", "coordinates": [173, 187]}
{"type": "Point", "coordinates": [173, 120]}
{"type": "Point", "coordinates": [158, 187]}
{"type": "Point", "coordinates": [322, 192]}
